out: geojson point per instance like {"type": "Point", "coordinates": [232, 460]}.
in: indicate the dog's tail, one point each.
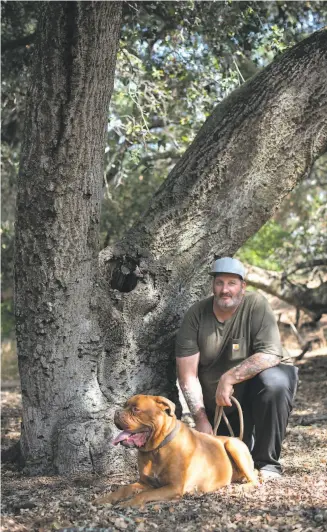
{"type": "Point", "coordinates": [220, 413]}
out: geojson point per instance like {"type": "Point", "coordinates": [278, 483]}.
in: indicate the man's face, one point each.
{"type": "Point", "coordinates": [228, 290]}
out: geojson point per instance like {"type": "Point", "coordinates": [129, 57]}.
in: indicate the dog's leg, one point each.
{"type": "Point", "coordinates": [166, 493]}
{"type": "Point", "coordinates": [122, 493]}
{"type": "Point", "coordinates": [243, 460]}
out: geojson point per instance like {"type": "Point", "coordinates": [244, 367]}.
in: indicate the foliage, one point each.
{"type": "Point", "coordinates": [298, 231]}
{"type": "Point", "coordinates": [305, 216]}
{"type": "Point", "coordinates": [7, 312]}
{"type": "Point", "coordinates": [177, 61]}
{"type": "Point", "coordinates": [260, 248]}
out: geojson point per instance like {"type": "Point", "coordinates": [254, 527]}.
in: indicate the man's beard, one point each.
{"type": "Point", "coordinates": [232, 302]}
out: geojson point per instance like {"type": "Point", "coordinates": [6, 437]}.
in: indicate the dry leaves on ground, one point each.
{"type": "Point", "coordinates": [297, 502]}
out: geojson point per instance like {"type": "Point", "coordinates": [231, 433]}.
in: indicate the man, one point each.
{"type": "Point", "coordinates": [229, 344]}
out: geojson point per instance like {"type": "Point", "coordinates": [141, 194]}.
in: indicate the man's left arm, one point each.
{"type": "Point", "coordinates": [266, 348]}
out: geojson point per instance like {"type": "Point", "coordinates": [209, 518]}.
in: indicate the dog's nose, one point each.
{"type": "Point", "coordinates": [117, 418]}
{"type": "Point", "coordinates": [117, 414]}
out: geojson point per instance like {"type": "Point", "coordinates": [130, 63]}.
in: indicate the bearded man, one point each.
{"type": "Point", "coordinates": [229, 344]}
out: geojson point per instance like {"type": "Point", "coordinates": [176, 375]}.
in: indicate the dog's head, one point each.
{"type": "Point", "coordinates": [143, 420]}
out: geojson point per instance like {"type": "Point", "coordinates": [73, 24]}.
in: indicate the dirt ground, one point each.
{"type": "Point", "coordinates": [296, 502]}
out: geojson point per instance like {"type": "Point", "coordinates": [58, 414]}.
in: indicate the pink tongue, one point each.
{"type": "Point", "coordinates": [124, 435]}
{"type": "Point", "coordinates": [135, 439]}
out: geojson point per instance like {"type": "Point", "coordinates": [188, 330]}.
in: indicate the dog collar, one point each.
{"type": "Point", "coordinates": [166, 440]}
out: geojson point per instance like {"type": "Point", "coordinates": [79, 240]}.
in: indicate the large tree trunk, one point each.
{"type": "Point", "coordinates": [57, 234]}
{"type": "Point", "coordinates": [250, 153]}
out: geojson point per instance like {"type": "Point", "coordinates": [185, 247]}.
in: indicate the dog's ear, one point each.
{"type": "Point", "coordinates": [165, 404]}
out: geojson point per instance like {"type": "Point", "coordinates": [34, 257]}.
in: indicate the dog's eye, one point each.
{"type": "Point", "coordinates": [136, 410]}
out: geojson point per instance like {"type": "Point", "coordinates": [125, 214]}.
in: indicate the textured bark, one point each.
{"type": "Point", "coordinates": [313, 300]}
{"type": "Point", "coordinates": [256, 146]}
{"type": "Point", "coordinates": [57, 235]}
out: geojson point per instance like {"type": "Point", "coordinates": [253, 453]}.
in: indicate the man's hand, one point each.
{"type": "Point", "coordinates": [224, 390]}
{"type": "Point", "coordinates": [244, 371]}
{"type": "Point", "coordinates": [202, 423]}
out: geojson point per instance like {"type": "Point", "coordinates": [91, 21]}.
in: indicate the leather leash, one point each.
{"type": "Point", "coordinates": [219, 413]}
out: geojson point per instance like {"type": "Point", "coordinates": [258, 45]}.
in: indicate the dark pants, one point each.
{"type": "Point", "coordinates": [267, 401]}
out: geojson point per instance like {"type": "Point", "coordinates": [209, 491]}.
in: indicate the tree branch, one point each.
{"type": "Point", "coordinates": [171, 154]}
{"type": "Point", "coordinates": [300, 296]}
{"type": "Point", "coordinates": [307, 265]}
{"type": "Point", "coordinates": [229, 182]}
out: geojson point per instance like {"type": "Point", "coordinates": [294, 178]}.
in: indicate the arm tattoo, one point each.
{"type": "Point", "coordinates": [252, 366]}
{"type": "Point", "coordinates": [193, 397]}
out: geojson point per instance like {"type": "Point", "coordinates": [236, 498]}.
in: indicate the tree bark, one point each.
{"type": "Point", "coordinates": [57, 235]}
{"type": "Point", "coordinates": [258, 143]}
{"type": "Point", "coordinates": [312, 300]}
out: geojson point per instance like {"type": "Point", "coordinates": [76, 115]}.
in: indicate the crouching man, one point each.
{"type": "Point", "coordinates": [229, 344]}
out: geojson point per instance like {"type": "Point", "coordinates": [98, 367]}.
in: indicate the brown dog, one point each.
{"type": "Point", "coordinates": [174, 459]}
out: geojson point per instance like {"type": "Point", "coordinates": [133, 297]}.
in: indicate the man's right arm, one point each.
{"type": "Point", "coordinates": [187, 372]}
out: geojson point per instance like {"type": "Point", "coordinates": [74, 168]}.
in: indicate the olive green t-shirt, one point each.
{"type": "Point", "coordinates": [252, 329]}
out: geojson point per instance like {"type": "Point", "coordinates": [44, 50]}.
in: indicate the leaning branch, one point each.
{"type": "Point", "coordinates": [308, 265]}
{"type": "Point", "coordinates": [300, 296]}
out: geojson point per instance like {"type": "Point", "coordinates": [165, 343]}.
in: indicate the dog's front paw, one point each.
{"type": "Point", "coordinates": [106, 499]}
{"type": "Point", "coordinates": [135, 502]}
